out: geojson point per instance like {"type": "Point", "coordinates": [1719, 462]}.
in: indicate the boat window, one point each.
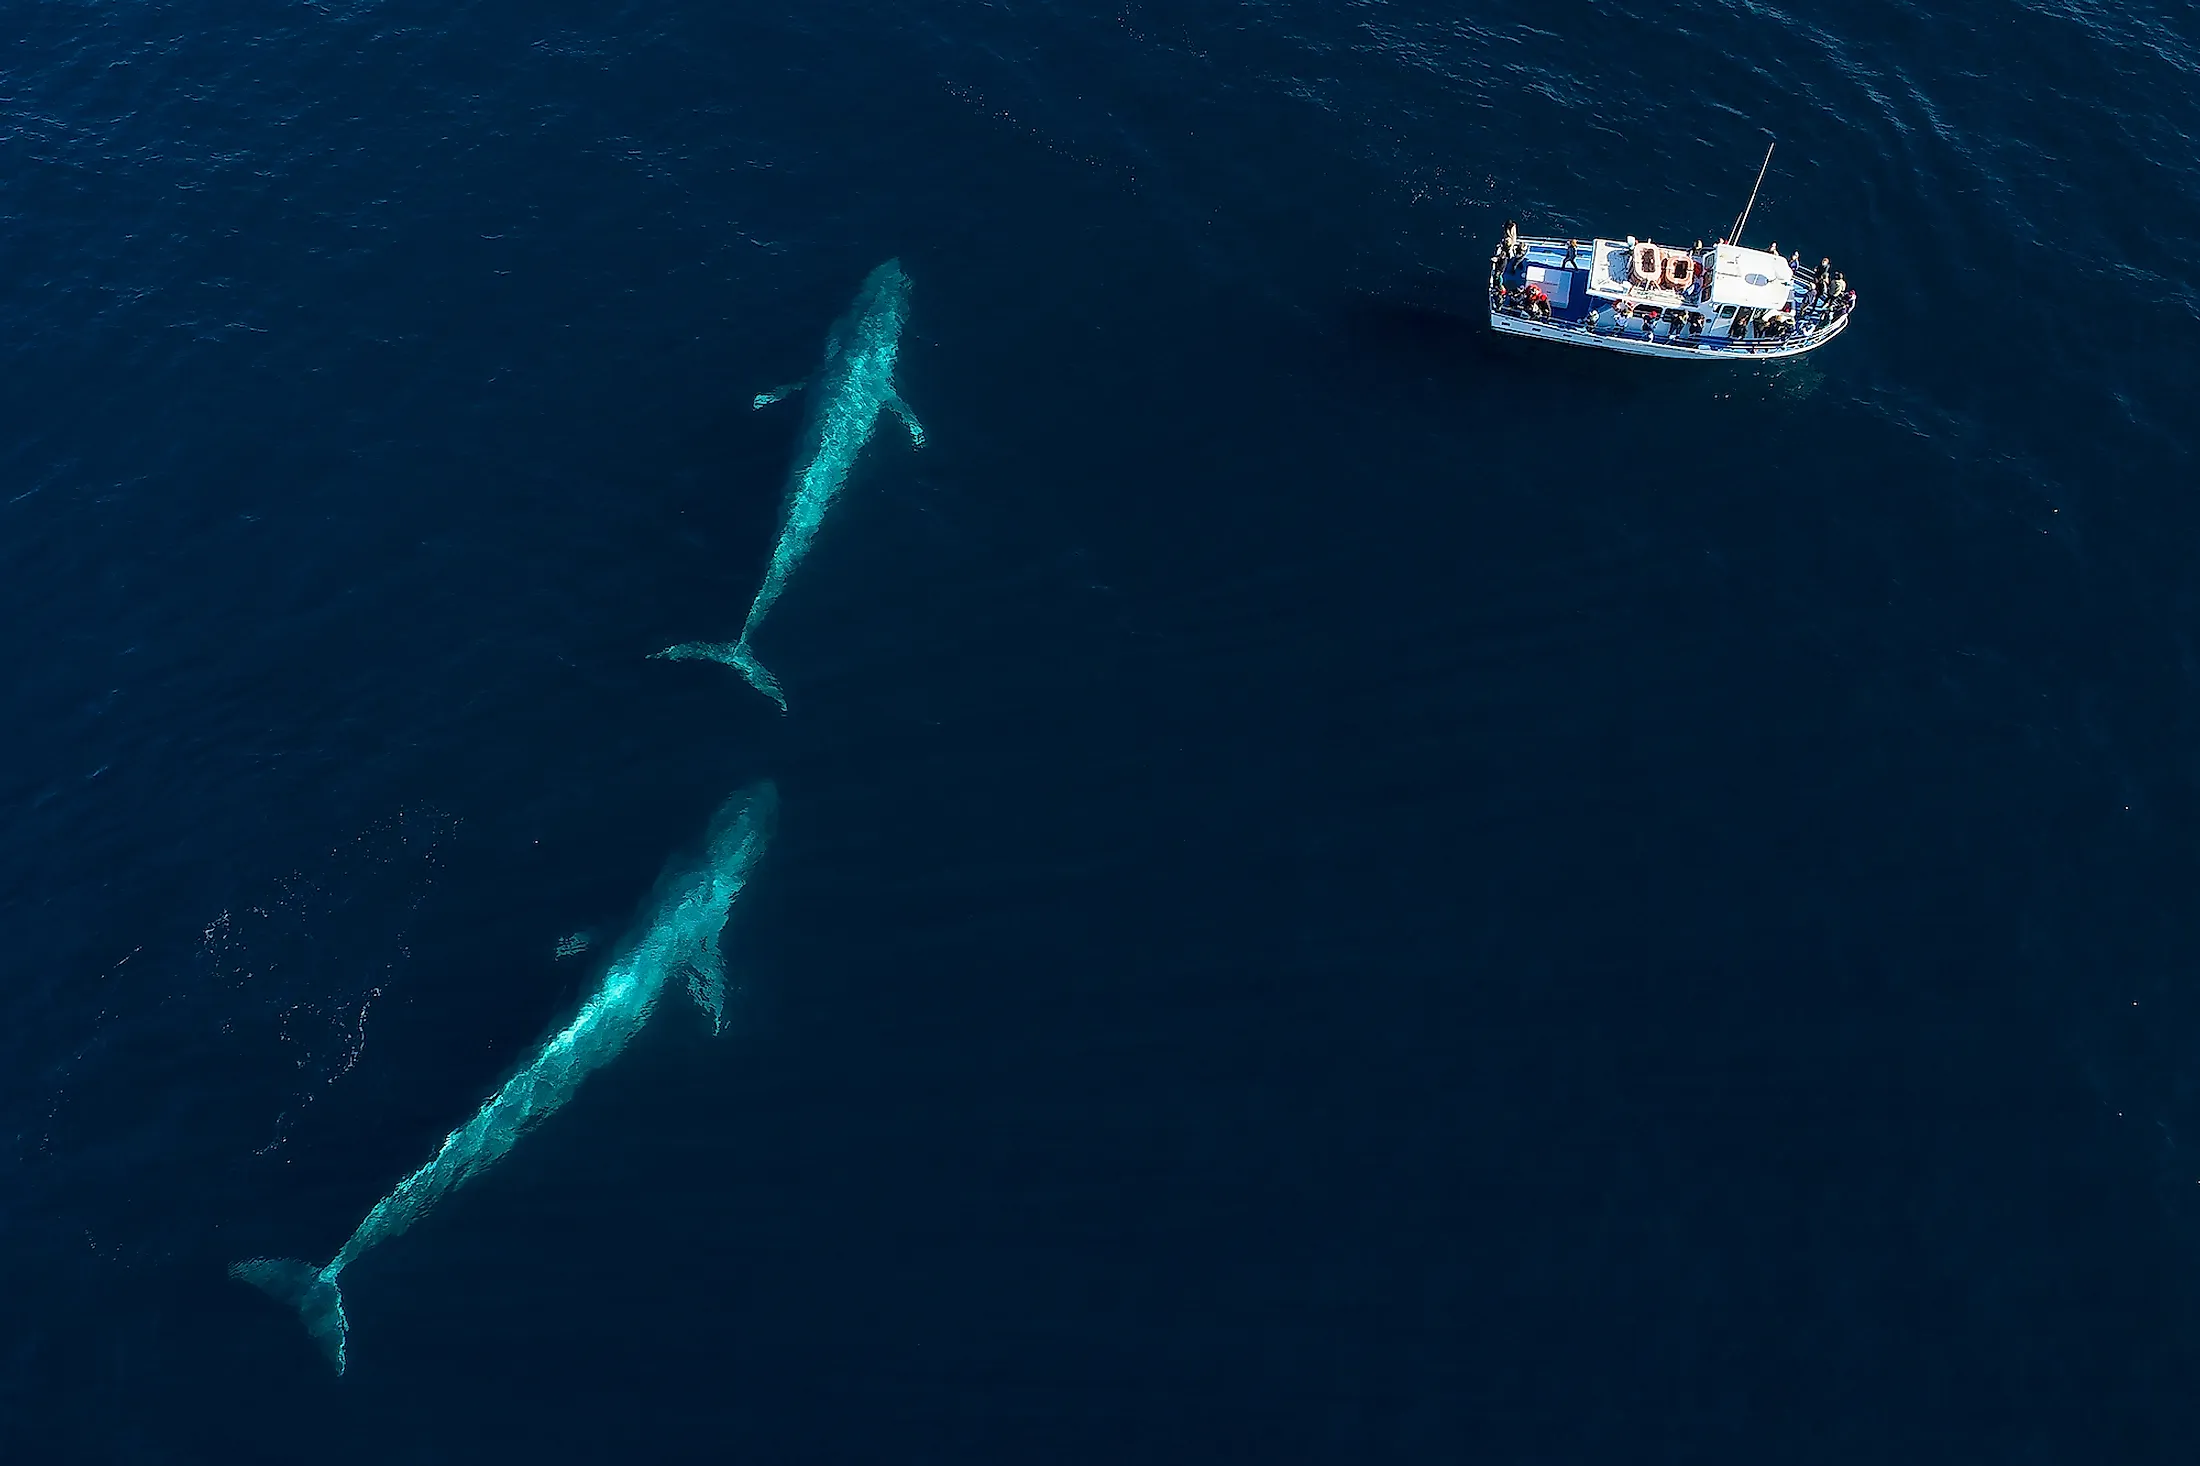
{"type": "Point", "coordinates": [1725, 311]}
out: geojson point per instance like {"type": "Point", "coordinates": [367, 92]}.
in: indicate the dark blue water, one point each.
{"type": "Point", "coordinates": [1344, 891]}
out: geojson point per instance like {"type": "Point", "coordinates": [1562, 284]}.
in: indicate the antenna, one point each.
{"type": "Point", "coordinates": [1736, 236]}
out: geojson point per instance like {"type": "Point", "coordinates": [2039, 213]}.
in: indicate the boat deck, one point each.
{"type": "Point", "coordinates": [1642, 323]}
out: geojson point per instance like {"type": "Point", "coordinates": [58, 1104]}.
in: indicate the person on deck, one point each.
{"type": "Point", "coordinates": [1824, 281]}
{"type": "Point", "coordinates": [1571, 246]}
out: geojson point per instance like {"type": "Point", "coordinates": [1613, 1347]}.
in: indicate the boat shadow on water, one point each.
{"type": "Point", "coordinates": [1441, 335]}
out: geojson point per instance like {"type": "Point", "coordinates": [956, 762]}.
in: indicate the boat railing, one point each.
{"type": "Point", "coordinates": [1749, 346]}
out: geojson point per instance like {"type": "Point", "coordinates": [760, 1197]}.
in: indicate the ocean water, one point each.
{"type": "Point", "coordinates": [1344, 890]}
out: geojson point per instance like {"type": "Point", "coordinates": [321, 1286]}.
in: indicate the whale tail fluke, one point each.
{"type": "Point", "coordinates": [735, 654]}
{"type": "Point", "coordinates": [309, 1289]}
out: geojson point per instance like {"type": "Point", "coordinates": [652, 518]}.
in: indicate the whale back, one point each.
{"type": "Point", "coordinates": [854, 380]}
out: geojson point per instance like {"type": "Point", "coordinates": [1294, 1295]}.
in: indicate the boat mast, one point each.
{"type": "Point", "coordinates": [1736, 236]}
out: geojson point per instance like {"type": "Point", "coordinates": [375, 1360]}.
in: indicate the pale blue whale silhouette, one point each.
{"type": "Point", "coordinates": [681, 939]}
{"type": "Point", "coordinates": [853, 385]}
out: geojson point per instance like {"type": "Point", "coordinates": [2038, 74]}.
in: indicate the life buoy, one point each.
{"type": "Point", "coordinates": [1680, 271]}
{"type": "Point", "coordinates": [1642, 264]}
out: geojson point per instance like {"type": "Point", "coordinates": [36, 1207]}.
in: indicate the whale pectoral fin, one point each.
{"type": "Point", "coordinates": [766, 399]}
{"type": "Point", "coordinates": [901, 410]}
{"type": "Point", "coordinates": [707, 985]}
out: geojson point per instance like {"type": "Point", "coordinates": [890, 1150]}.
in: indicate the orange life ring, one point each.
{"type": "Point", "coordinates": [1680, 271]}
{"type": "Point", "coordinates": [1642, 265]}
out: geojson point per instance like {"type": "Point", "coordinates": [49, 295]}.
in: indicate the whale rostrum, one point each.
{"type": "Point", "coordinates": [854, 383]}
{"type": "Point", "coordinates": [691, 904]}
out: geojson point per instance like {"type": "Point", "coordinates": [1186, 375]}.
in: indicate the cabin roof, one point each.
{"type": "Point", "coordinates": [1750, 277]}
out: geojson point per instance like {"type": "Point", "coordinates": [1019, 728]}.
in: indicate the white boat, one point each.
{"type": "Point", "coordinates": [1722, 303]}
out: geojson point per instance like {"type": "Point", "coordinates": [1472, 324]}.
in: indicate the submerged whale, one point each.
{"type": "Point", "coordinates": [853, 385]}
{"type": "Point", "coordinates": [681, 939]}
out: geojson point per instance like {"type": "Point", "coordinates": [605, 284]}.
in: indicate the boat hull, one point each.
{"type": "Point", "coordinates": [1627, 343]}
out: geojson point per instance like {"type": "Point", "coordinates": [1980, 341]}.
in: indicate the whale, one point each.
{"type": "Point", "coordinates": [853, 384]}
{"type": "Point", "coordinates": [689, 908]}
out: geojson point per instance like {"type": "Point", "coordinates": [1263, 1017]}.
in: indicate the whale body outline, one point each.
{"type": "Point", "coordinates": [691, 904]}
{"type": "Point", "coordinates": [853, 384]}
